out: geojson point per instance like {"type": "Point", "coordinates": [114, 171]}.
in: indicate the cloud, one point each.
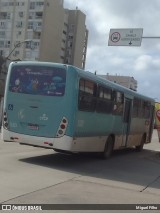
{"type": "Point", "coordinates": [147, 63]}
{"type": "Point", "coordinates": [143, 63]}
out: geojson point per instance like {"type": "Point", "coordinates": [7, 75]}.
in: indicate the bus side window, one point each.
{"type": "Point", "coordinates": [141, 109]}
{"type": "Point", "coordinates": [137, 108]}
{"type": "Point", "coordinates": [146, 109]}
{"type": "Point", "coordinates": [104, 100]}
{"type": "Point", "coordinates": [87, 95]}
{"type": "Point", "coordinates": [118, 99]}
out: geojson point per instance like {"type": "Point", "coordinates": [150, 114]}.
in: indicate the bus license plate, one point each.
{"type": "Point", "coordinates": [33, 126]}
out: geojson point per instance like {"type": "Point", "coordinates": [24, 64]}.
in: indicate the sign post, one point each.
{"type": "Point", "coordinates": [125, 37]}
{"type": "Point", "coordinates": [157, 118]}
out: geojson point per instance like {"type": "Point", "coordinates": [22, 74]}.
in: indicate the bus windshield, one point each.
{"type": "Point", "coordinates": [38, 80]}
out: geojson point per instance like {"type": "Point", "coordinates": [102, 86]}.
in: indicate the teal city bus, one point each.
{"type": "Point", "coordinates": [66, 109]}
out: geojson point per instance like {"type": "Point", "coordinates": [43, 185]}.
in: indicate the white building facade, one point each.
{"type": "Point", "coordinates": [125, 81]}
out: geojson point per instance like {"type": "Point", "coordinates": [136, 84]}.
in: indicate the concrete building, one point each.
{"type": "Point", "coordinates": [44, 30]}
{"type": "Point", "coordinates": [125, 81]}
{"type": "Point", "coordinates": [77, 38]}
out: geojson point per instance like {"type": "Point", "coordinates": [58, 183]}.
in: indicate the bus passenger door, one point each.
{"type": "Point", "coordinates": [126, 120]}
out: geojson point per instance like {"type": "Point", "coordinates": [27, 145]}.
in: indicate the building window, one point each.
{"type": "Point", "coordinates": [11, 4]}
{"type": "Point", "coordinates": [28, 54]}
{"type": "Point", "coordinates": [1, 44]}
{"type": "Point", "coordinates": [28, 45]}
{"type": "Point", "coordinates": [68, 60]}
{"type": "Point", "coordinates": [2, 25]}
{"type": "Point", "coordinates": [40, 3]}
{"type": "Point", "coordinates": [71, 28]}
{"type": "Point", "coordinates": [30, 25]}
{"type": "Point", "coordinates": [2, 34]}
{"type": "Point", "coordinates": [21, 14]}
{"type": "Point", "coordinates": [32, 5]}
{"type": "Point", "coordinates": [36, 35]}
{"type": "Point", "coordinates": [31, 15]}
{"type": "Point", "coordinates": [16, 53]}
{"type": "Point", "coordinates": [64, 32]}
{"type": "Point", "coordinates": [38, 15]}
{"type": "Point", "coordinates": [5, 15]}
{"type": "Point", "coordinates": [8, 43]}
{"type": "Point", "coordinates": [19, 24]}
{"type": "Point", "coordinates": [69, 44]}
{"type": "Point", "coordinates": [70, 37]}
{"type": "Point", "coordinates": [1, 52]}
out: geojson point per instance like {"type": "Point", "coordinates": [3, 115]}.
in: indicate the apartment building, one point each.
{"type": "Point", "coordinates": [125, 81]}
{"type": "Point", "coordinates": [42, 30]}
{"type": "Point", "coordinates": [77, 38]}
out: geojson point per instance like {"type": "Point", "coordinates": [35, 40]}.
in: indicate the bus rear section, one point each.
{"type": "Point", "coordinates": [34, 106]}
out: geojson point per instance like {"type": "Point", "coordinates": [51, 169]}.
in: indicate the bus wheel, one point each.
{"type": "Point", "coordinates": [108, 149]}
{"type": "Point", "coordinates": [139, 148]}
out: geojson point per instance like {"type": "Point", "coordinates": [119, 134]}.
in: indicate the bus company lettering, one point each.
{"type": "Point", "coordinates": [43, 117]}
{"type": "Point", "coordinates": [25, 207]}
{"type": "Point", "coordinates": [148, 207]}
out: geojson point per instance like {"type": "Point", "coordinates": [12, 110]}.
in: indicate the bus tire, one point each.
{"type": "Point", "coordinates": [139, 148]}
{"type": "Point", "coordinates": [108, 149]}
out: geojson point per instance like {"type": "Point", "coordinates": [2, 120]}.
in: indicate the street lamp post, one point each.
{"type": "Point", "coordinates": [17, 45]}
{"type": "Point", "coordinates": [3, 70]}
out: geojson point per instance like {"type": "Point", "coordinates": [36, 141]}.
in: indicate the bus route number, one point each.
{"type": "Point", "coordinates": [10, 106]}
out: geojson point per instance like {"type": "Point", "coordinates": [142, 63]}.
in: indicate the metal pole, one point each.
{"type": "Point", "coordinates": [16, 47]}
{"type": "Point", "coordinates": [151, 37]}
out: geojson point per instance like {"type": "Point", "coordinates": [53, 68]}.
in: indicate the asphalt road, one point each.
{"type": "Point", "coordinates": [30, 175]}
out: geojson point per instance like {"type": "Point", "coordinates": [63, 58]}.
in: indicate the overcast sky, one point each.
{"type": "Point", "coordinates": [143, 62]}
